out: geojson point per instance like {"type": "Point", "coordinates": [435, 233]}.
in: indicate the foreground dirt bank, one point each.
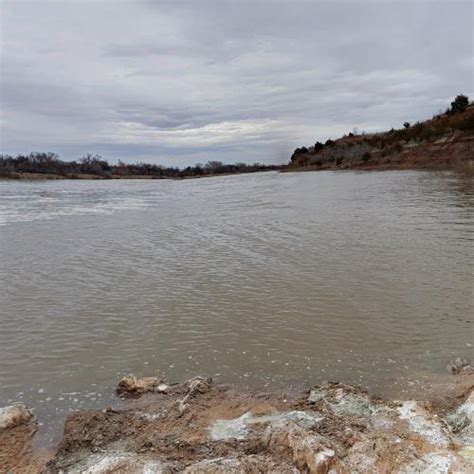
{"type": "Point", "coordinates": [200, 427]}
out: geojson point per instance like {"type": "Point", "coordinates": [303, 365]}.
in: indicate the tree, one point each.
{"type": "Point", "coordinates": [214, 166]}
{"type": "Point", "coordinates": [318, 146]}
{"type": "Point", "coordinates": [459, 104]}
{"type": "Point", "coordinates": [93, 164]}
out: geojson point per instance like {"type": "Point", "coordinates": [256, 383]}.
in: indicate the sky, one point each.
{"type": "Point", "coordinates": [177, 83]}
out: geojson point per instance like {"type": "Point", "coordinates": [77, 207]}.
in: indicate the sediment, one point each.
{"type": "Point", "coordinates": [201, 427]}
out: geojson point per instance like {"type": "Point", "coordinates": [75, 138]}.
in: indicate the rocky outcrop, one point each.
{"type": "Point", "coordinates": [131, 386]}
{"type": "Point", "coordinates": [17, 429]}
{"type": "Point", "coordinates": [14, 415]}
{"type": "Point", "coordinates": [306, 450]}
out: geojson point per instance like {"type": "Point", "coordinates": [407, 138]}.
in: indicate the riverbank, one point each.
{"type": "Point", "coordinates": [49, 176]}
{"type": "Point", "coordinates": [457, 154]}
{"type": "Point", "coordinates": [47, 166]}
{"type": "Point", "coordinates": [444, 142]}
{"type": "Point", "coordinates": [200, 426]}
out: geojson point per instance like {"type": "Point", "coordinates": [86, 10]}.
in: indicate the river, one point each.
{"type": "Point", "coordinates": [263, 280]}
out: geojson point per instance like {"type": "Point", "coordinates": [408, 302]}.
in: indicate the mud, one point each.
{"type": "Point", "coordinates": [199, 426]}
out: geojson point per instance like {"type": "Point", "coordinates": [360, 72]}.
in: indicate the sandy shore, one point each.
{"type": "Point", "coordinates": [199, 426]}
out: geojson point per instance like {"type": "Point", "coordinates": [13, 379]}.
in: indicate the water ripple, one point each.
{"type": "Point", "coordinates": [261, 279]}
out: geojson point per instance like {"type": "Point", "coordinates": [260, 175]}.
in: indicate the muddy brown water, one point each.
{"type": "Point", "coordinates": [265, 281]}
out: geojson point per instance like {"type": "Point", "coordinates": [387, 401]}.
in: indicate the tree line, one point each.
{"type": "Point", "coordinates": [51, 164]}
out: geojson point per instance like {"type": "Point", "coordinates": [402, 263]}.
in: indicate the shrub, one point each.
{"type": "Point", "coordinates": [299, 151]}
{"type": "Point", "coordinates": [459, 104]}
{"type": "Point", "coordinates": [318, 146]}
{"type": "Point", "coordinates": [467, 124]}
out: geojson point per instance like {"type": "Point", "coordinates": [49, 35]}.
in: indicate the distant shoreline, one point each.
{"type": "Point", "coordinates": [49, 166]}
{"type": "Point", "coordinates": [59, 177]}
{"type": "Point", "coordinates": [421, 163]}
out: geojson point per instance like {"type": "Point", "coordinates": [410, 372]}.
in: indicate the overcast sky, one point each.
{"type": "Point", "coordinates": [184, 82]}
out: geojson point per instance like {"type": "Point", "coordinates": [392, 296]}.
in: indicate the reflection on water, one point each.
{"type": "Point", "coordinates": [259, 280]}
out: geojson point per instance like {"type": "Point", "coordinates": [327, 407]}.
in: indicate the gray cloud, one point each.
{"type": "Point", "coordinates": [181, 82]}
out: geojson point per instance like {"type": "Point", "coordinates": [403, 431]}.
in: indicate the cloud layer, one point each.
{"type": "Point", "coordinates": [182, 82]}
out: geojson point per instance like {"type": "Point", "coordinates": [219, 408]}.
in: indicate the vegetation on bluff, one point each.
{"type": "Point", "coordinates": [459, 104]}
{"type": "Point", "coordinates": [423, 141]}
{"type": "Point", "coordinates": [95, 166]}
